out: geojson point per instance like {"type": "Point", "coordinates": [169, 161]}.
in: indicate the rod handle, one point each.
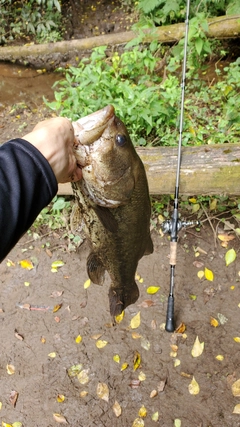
{"type": "Point", "coordinates": [169, 327]}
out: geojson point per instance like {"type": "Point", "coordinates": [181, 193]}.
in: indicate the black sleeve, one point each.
{"type": "Point", "coordinates": [27, 185]}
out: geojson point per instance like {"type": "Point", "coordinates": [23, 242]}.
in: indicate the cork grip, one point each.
{"type": "Point", "coordinates": [173, 253]}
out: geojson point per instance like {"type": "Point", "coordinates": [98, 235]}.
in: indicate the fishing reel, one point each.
{"type": "Point", "coordinates": [169, 225]}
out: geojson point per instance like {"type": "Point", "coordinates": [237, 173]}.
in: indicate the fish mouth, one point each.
{"type": "Point", "coordinates": [89, 128]}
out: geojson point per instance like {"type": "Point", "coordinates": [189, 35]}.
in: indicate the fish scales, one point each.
{"type": "Point", "coordinates": [114, 204]}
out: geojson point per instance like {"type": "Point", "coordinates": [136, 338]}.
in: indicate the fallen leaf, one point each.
{"type": "Point", "coordinates": [26, 284]}
{"type": "Point", "coordinates": [6, 424]}
{"type": "Point", "coordinates": [83, 393]}
{"type": "Point", "coordinates": [138, 422]}
{"type": "Point", "coordinates": [236, 339]}
{"type": "Point", "coordinates": [142, 412]}
{"type": "Point", "coordinates": [153, 324]}
{"type": "Point", "coordinates": [222, 319]}
{"type": "Point", "coordinates": [136, 335]}
{"type": "Point", "coordinates": [26, 263]}
{"type": "Point", "coordinates": [78, 339]}
{"type": "Point", "coordinates": [56, 294]}
{"type": "Point", "coordinates": [101, 343]}
{"type": "Point", "coordinates": [60, 398]}
{"type": "Point", "coordinates": [226, 237]}
{"type": "Point", "coordinates": [60, 418]}
{"type": "Point", "coordinates": [200, 274]}
{"type": "Point", "coordinates": [236, 409]}
{"type": "Point", "coordinates": [103, 391]}
{"type": "Point", "coordinates": [135, 321]}
{"type": "Point", "coordinates": [87, 283]}
{"type": "Point", "coordinates": [10, 369]}
{"type": "Point", "coordinates": [136, 360]}
{"type": "Point", "coordinates": [18, 336]}
{"type": "Point", "coordinates": [124, 366]}
{"type": "Point", "coordinates": [17, 424]}
{"type": "Point", "coordinates": [153, 289]}
{"type": "Point", "coordinates": [198, 264]}
{"type": "Point", "coordinates": [208, 274]}
{"type": "Point", "coordinates": [13, 398]}
{"type": "Point", "coordinates": [214, 322]}
{"type": "Point", "coordinates": [0, 406]}
{"type": "Point", "coordinates": [155, 416]}
{"type": "Point", "coordinates": [142, 376]}
{"type": "Point", "coordinates": [57, 264]}
{"type": "Point", "coordinates": [74, 370]}
{"type": "Point", "coordinates": [147, 303]}
{"type": "Point", "coordinates": [177, 362]}
{"type": "Point", "coordinates": [116, 358]}
{"type": "Point", "coordinates": [219, 357]}
{"type": "Point", "coordinates": [96, 336]}
{"type": "Point", "coordinates": [161, 385]}
{"type": "Point", "coordinates": [52, 354]}
{"type": "Point", "coordinates": [193, 387]}
{"type": "Point", "coordinates": [57, 307]}
{"type": "Point", "coordinates": [236, 388]}
{"type": "Point", "coordinates": [117, 409]}
{"type": "Point", "coordinates": [197, 348]}
{"type": "Point", "coordinates": [120, 317]}
{"type": "Point", "coordinates": [181, 328]}
{"type": "Point", "coordinates": [177, 422]}
{"type": "Point", "coordinates": [145, 343]}
{"type": "Point", "coordinates": [135, 383]}
{"type": "Point", "coordinates": [153, 393]}
{"type": "Point", "coordinates": [230, 256]}
{"type": "Point", "coordinates": [83, 377]}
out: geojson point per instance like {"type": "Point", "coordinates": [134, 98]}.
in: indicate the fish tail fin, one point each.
{"type": "Point", "coordinates": [95, 269]}
{"type": "Point", "coordinates": [122, 297]}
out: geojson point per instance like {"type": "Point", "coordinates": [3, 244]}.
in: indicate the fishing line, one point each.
{"type": "Point", "coordinates": [174, 225]}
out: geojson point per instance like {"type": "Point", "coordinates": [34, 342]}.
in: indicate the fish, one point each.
{"type": "Point", "coordinates": [112, 203]}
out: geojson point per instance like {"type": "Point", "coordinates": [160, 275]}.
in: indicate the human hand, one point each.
{"type": "Point", "coordinates": [54, 138]}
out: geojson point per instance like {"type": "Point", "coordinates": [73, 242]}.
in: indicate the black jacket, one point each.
{"type": "Point", "coordinates": [27, 185]}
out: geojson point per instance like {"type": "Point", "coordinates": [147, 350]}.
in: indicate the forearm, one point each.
{"type": "Point", "coordinates": [27, 185]}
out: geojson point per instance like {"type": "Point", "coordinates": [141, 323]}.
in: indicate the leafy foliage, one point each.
{"type": "Point", "coordinates": [40, 18]}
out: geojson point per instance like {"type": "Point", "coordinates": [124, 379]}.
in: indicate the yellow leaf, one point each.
{"type": "Point", "coordinates": [26, 263]}
{"type": "Point", "coordinates": [136, 360]}
{"type": "Point", "coordinates": [57, 264]}
{"type": "Point", "coordinates": [124, 366]}
{"type": "Point", "coordinates": [0, 406]}
{"type": "Point", "coordinates": [83, 377]}
{"type": "Point", "coordinates": [10, 263]}
{"type": "Point", "coordinates": [153, 289]}
{"type": "Point", "coordinates": [226, 237]}
{"type": "Point", "coordinates": [135, 321]}
{"type": "Point", "coordinates": [193, 387]}
{"type": "Point", "coordinates": [177, 422]}
{"type": "Point", "coordinates": [54, 270]}
{"type": "Point", "coordinates": [219, 357]}
{"type": "Point", "coordinates": [208, 274]}
{"type": "Point", "coordinates": [153, 393]}
{"type": "Point", "coordinates": [27, 283]}
{"type": "Point", "coordinates": [87, 284]}
{"type": "Point", "coordinates": [142, 412]}
{"type": "Point", "coordinates": [60, 418]}
{"type": "Point", "coordinates": [142, 376]}
{"type": "Point", "coordinates": [197, 348]}
{"type": "Point", "coordinates": [117, 409]}
{"type": "Point", "coordinates": [101, 343]}
{"type": "Point", "coordinates": [103, 391]}
{"type": "Point", "coordinates": [56, 308]}
{"type": "Point", "coordinates": [192, 200]}
{"type": "Point", "coordinates": [53, 354]}
{"type": "Point", "coordinates": [60, 398]}
{"type": "Point", "coordinates": [177, 362]}
{"type": "Point", "coordinates": [17, 424]}
{"type": "Point", "coordinates": [214, 322]}
{"type": "Point", "coordinates": [237, 339]}
{"type": "Point", "coordinates": [6, 424]}
{"type": "Point", "coordinates": [195, 207]}
{"type": "Point", "coordinates": [230, 256]}
{"type": "Point", "coordinates": [213, 205]}
{"type": "Point", "coordinates": [181, 328]}
{"type": "Point", "coordinates": [200, 274]}
{"type": "Point", "coordinates": [236, 388]}
{"type": "Point", "coordinates": [83, 393]}
{"type": "Point", "coordinates": [138, 422]}
{"type": "Point", "coordinates": [116, 358]}
{"type": "Point", "coordinates": [236, 409]}
{"type": "Point", "coordinates": [136, 335]}
{"type": "Point", "coordinates": [120, 317]}
{"type": "Point", "coordinates": [10, 369]}
{"type": "Point", "coordinates": [78, 339]}
{"type": "Point", "coordinates": [155, 416]}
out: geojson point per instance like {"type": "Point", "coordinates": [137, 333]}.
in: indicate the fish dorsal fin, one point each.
{"type": "Point", "coordinates": [149, 246]}
{"type": "Point", "coordinates": [95, 269]}
{"type": "Point", "coordinates": [107, 219]}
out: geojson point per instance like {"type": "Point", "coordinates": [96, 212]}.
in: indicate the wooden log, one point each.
{"type": "Point", "coordinates": [205, 170]}
{"type": "Point", "coordinates": [220, 28]}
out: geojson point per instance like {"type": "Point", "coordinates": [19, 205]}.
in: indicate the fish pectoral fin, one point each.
{"type": "Point", "coordinates": [120, 298]}
{"type": "Point", "coordinates": [107, 219]}
{"type": "Point", "coordinates": [95, 269]}
{"type": "Point", "coordinates": [149, 246]}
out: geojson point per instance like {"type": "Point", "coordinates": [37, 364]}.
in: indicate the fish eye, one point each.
{"type": "Point", "coordinates": [121, 140]}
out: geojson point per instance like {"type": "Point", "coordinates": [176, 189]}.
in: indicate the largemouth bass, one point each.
{"type": "Point", "coordinates": [113, 202]}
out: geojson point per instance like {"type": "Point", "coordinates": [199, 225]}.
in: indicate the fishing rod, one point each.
{"type": "Point", "coordinates": [174, 225]}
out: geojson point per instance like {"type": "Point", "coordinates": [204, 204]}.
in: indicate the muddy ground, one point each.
{"type": "Point", "coordinates": [29, 338]}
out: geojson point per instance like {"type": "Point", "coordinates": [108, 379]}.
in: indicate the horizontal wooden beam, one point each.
{"type": "Point", "coordinates": [205, 170]}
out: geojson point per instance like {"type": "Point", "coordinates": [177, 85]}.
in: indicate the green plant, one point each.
{"type": "Point", "coordinates": [55, 215]}
{"type": "Point", "coordinates": [27, 18]}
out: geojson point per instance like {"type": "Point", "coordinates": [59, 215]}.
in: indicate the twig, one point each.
{"type": "Point", "coordinates": [210, 222]}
